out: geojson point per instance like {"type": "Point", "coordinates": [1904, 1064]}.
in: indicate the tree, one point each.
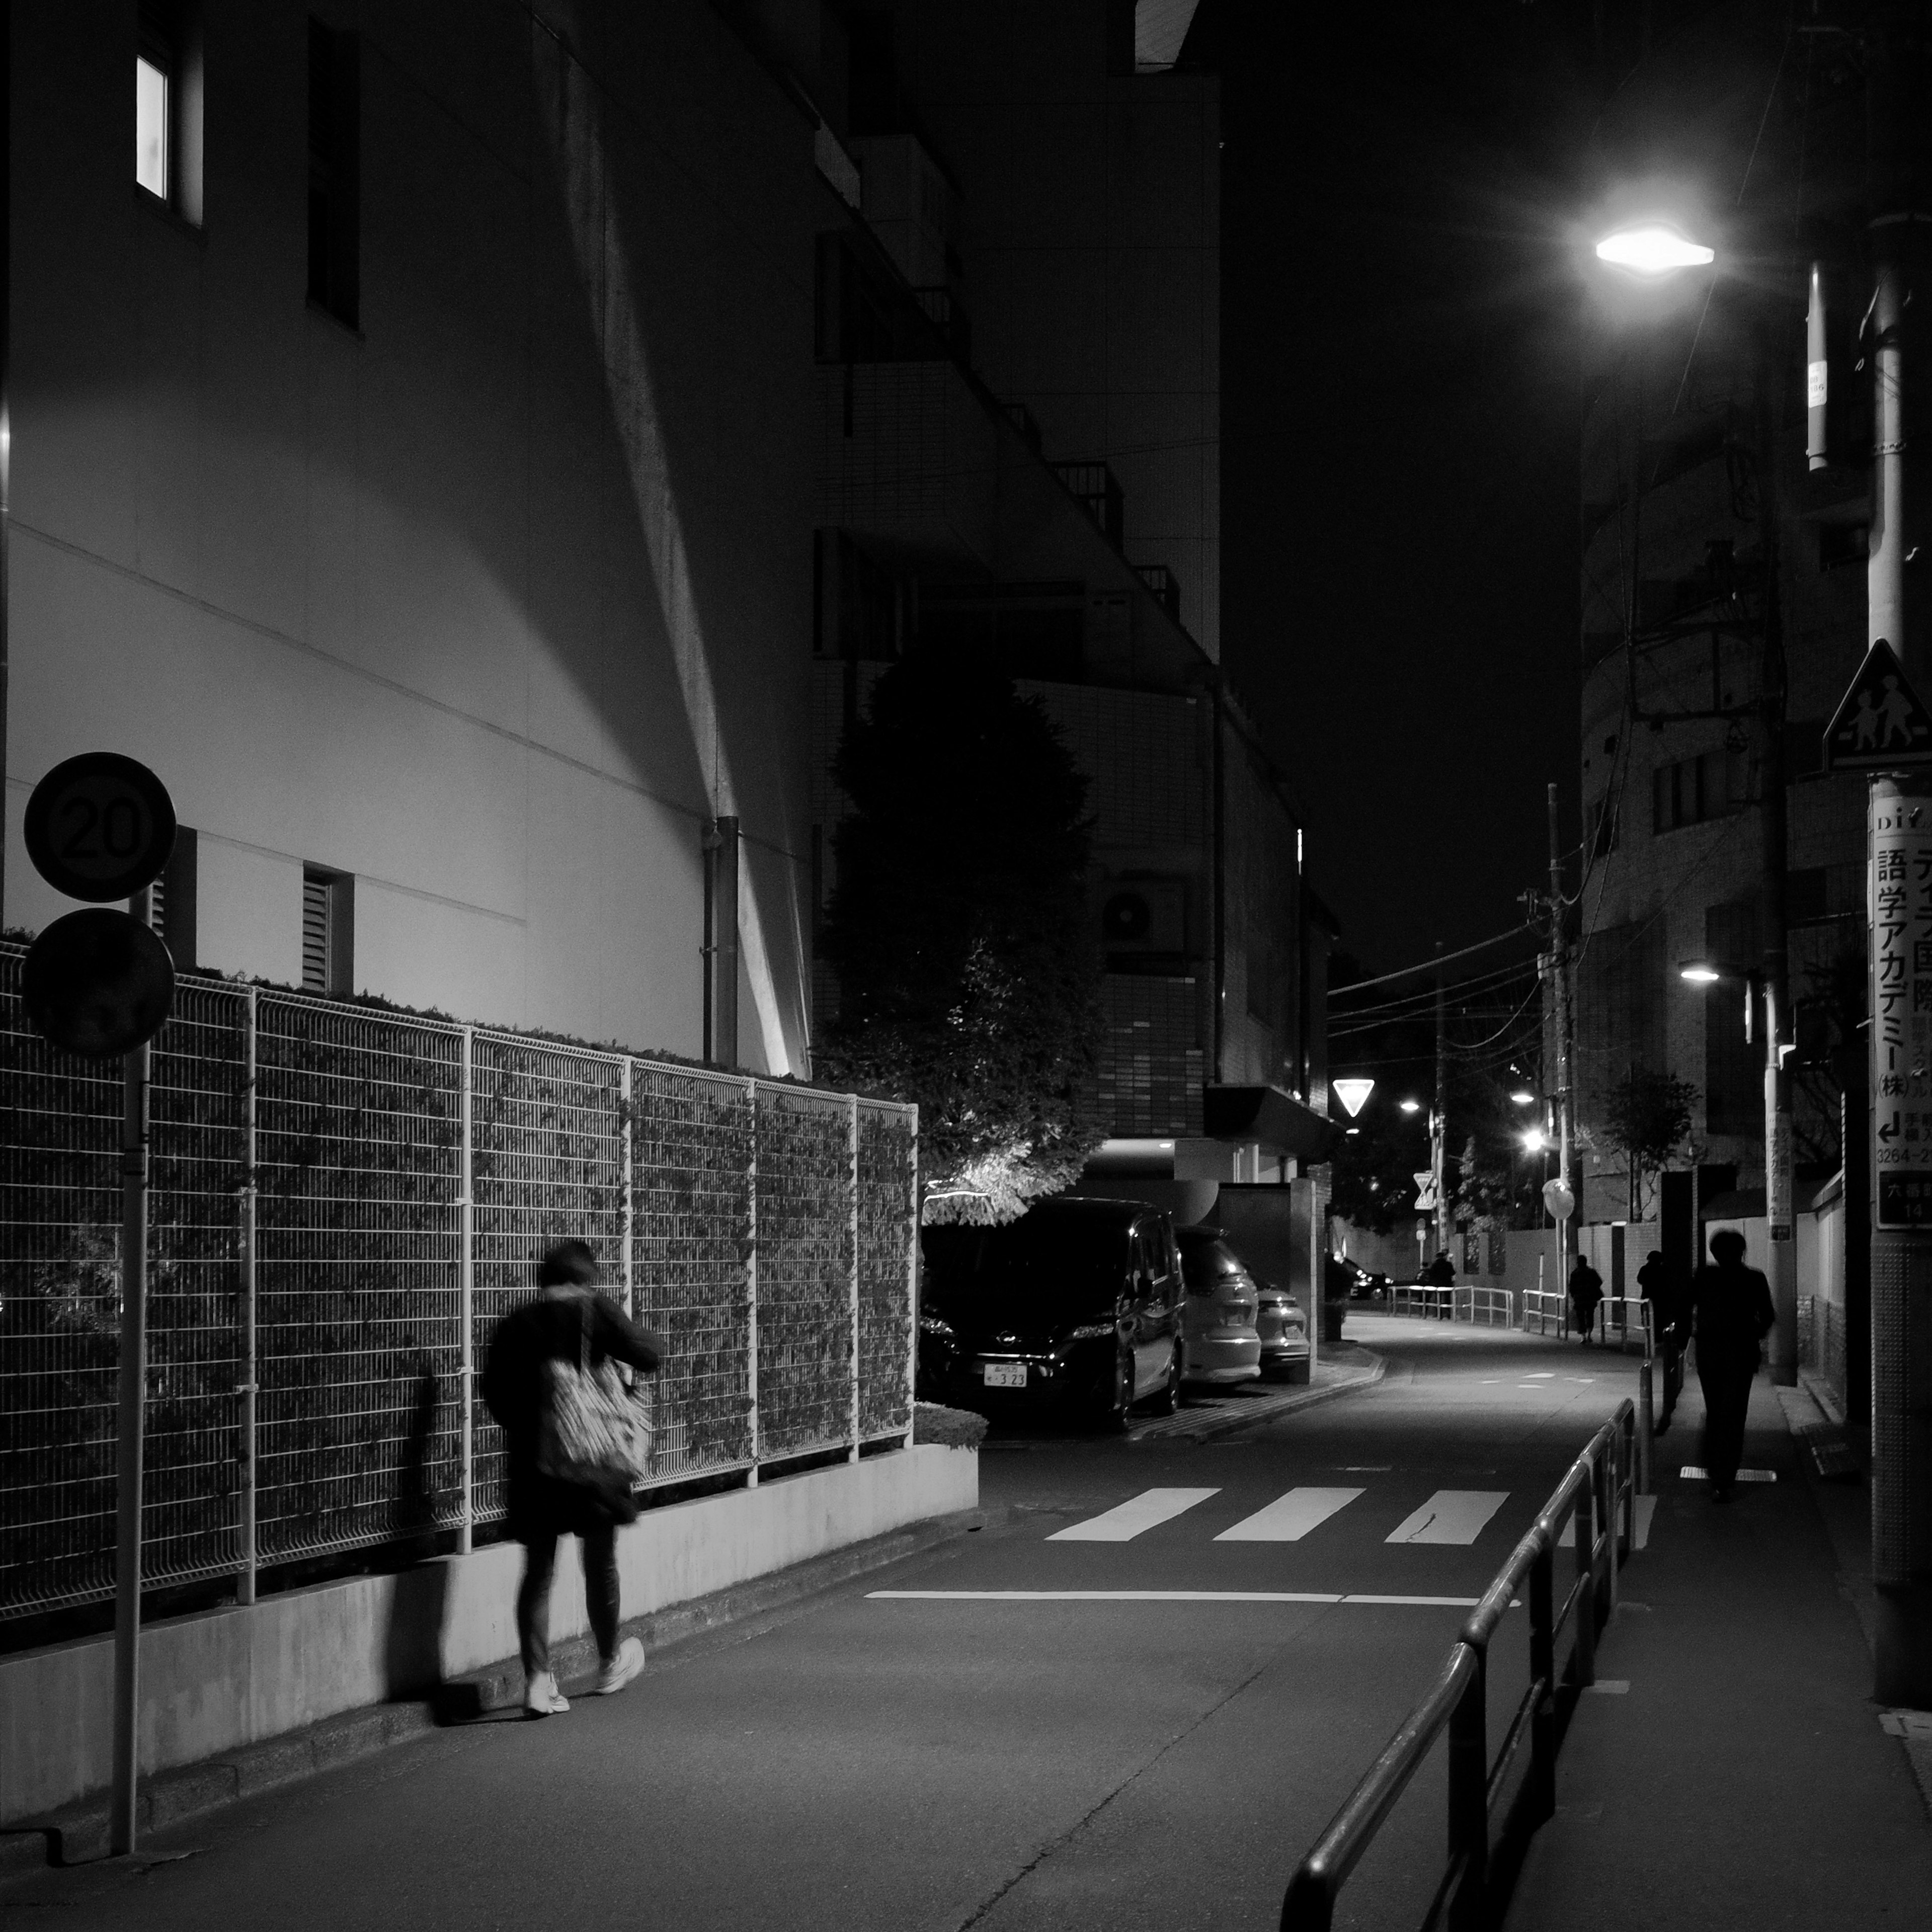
{"type": "Point", "coordinates": [969, 982]}
{"type": "Point", "coordinates": [1374, 1172]}
{"type": "Point", "coordinates": [1647, 1119]}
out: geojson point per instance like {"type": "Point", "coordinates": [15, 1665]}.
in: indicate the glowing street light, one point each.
{"type": "Point", "coordinates": [1522, 1097]}
{"type": "Point", "coordinates": [1353, 1094]}
{"type": "Point", "coordinates": [1412, 1106]}
{"type": "Point", "coordinates": [1534, 1139]}
{"type": "Point", "coordinates": [1653, 248]}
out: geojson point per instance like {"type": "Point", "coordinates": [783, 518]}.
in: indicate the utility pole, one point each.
{"type": "Point", "coordinates": [1559, 964]}
{"type": "Point", "coordinates": [1784, 1256]}
{"type": "Point", "coordinates": [1438, 1119]}
{"type": "Point", "coordinates": [1901, 1246]}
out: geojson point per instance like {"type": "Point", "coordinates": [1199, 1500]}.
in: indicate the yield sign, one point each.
{"type": "Point", "coordinates": [1880, 722]}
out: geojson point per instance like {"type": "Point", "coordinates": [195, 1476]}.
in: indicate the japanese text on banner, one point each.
{"type": "Point", "coordinates": [1901, 959]}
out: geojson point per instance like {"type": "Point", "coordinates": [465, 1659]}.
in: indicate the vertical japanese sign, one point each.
{"type": "Point", "coordinates": [1901, 1007]}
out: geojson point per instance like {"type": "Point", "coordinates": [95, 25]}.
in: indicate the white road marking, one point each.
{"type": "Point", "coordinates": [1451, 1516]}
{"type": "Point", "coordinates": [1692, 1473]}
{"type": "Point", "coordinates": [1540, 1375]}
{"type": "Point", "coordinates": [1129, 1519]}
{"type": "Point", "coordinates": [1166, 1596]}
{"type": "Point", "coordinates": [1647, 1508]}
{"type": "Point", "coordinates": [1289, 1518]}
{"type": "Point", "coordinates": [1610, 1686]}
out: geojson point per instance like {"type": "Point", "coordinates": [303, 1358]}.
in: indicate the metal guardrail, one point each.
{"type": "Point", "coordinates": [1623, 1318]}
{"type": "Point", "coordinates": [1487, 1307]}
{"type": "Point", "coordinates": [344, 1200]}
{"type": "Point", "coordinates": [1599, 1492]}
{"type": "Point", "coordinates": [1423, 1299]}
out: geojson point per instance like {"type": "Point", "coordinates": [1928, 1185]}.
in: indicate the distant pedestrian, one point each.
{"type": "Point", "coordinates": [1732, 1311]}
{"type": "Point", "coordinates": [1441, 1272]}
{"type": "Point", "coordinates": [546, 1373]}
{"type": "Point", "coordinates": [1586, 1290]}
{"type": "Point", "coordinates": [1663, 1288]}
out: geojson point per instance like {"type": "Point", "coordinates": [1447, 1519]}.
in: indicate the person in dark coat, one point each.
{"type": "Point", "coordinates": [1733, 1313]}
{"type": "Point", "coordinates": [567, 1317]}
{"type": "Point", "coordinates": [1586, 1290]}
{"type": "Point", "coordinates": [1663, 1288]}
{"type": "Point", "coordinates": [1441, 1272]}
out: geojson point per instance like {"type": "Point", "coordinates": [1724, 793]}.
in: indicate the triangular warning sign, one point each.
{"type": "Point", "coordinates": [1880, 723]}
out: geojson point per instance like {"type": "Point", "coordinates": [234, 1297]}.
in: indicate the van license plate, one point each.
{"type": "Point", "coordinates": [1005, 1375]}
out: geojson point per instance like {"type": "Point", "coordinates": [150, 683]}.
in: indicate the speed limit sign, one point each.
{"type": "Point", "coordinates": [99, 827]}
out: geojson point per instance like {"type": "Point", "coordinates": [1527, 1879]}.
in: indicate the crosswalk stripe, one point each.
{"type": "Point", "coordinates": [1129, 1519]}
{"type": "Point", "coordinates": [1451, 1516]}
{"type": "Point", "coordinates": [1289, 1518]}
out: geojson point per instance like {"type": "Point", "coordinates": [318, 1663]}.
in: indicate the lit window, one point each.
{"type": "Point", "coordinates": [150, 127]}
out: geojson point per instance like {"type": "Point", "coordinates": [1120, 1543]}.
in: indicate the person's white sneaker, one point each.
{"type": "Point", "coordinates": [542, 1699]}
{"type": "Point", "coordinates": [621, 1668]}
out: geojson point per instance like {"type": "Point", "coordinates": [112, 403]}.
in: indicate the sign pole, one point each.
{"type": "Point", "coordinates": [131, 1425]}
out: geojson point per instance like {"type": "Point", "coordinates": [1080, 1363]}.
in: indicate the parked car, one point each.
{"type": "Point", "coordinates": [1360, 1283]}
{"type": "Point", "coordinates": [1283, 1329]}
{"type": "Point", "coordinates": [1075, 1306]}
{"type": "Point", "coordinates": [1223, 1344]}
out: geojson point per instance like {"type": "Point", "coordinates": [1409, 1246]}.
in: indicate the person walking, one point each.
{"type": "Point", "coordinates": [567, 1324]}
{"type": "Point", "coordinates": [1663, 1288]}
{"type": "Point", "coordinates": [1733, 1313]}
{"type": "Point", "coordinates": [1586, 1290]}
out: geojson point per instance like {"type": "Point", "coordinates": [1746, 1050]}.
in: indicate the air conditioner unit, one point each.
{"type": "Point", "coordinates": [1144, 916]}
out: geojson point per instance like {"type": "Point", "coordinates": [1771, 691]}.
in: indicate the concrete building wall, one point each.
{"type": "Point", "coordinates": [493, 600]}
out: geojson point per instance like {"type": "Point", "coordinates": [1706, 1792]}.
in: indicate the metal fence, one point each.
{"type": "Point", "coordinates": [343, 1201]}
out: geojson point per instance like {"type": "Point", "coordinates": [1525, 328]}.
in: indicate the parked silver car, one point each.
{"type": "Point", "coordinates": [1283, 1328]}
{"type": "Point", "coordinates": [1223, 1345]}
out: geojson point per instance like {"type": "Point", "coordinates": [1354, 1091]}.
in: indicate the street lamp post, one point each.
{"type": "Point", "coordinates": [1653, 249]}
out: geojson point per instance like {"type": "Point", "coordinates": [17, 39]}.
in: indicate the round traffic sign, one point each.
{"type": "Point", "coordinates": [100, 826]}
{"type": "Point", "coordinates": [1558, 1199]}
{"type": "Point", "coordinates": [98, 983]}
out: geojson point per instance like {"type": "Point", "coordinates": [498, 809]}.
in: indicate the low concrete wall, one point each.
{"type": "Point", "coordinates": [226, 1677]}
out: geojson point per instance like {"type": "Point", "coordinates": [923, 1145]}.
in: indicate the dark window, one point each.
{"type": "Point", "coordinates": [335, 183]}
{"type": "Point", "coordinates": [1692, 791]}
{"type": "Point", "coordinates": [328, 931]}
{"type": "Point", "coordinates": [872, 101]}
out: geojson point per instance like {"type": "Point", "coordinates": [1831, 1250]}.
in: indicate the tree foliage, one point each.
{"type": "Point", "coordinates": [1374, 1172]}
{"type": "Point", "coordinates": [968, 981]}
{"type": "Point", "coordinates": [1647, 1119]}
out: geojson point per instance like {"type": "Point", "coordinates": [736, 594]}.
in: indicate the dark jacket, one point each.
{"type": "Point", "coordinates": [1441, 1272]}
{"type": "Point", "coordinates": [1734, 1313]}
{"type": "Point", "coordinates": [1663, 1289]}
{"type": "Point", "coordinates": [553, 1328]}
{"type": "Point", "coordinates": [1586, 1285]}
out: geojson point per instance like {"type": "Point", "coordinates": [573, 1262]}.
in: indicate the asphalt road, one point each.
{"type": "Point", "coordinates": [1142, 1724]}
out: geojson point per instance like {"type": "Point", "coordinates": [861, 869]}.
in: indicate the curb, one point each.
{"type": "Point", "coordinates": [77, 1834]}
{"type": "Point", "coordinates": [1272, 1411]}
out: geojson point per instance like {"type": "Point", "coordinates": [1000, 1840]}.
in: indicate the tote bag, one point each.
{"type": "Point", "coordinates": [592, 1428]}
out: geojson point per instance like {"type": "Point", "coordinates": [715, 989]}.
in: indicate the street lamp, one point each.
{"type": "Point", "coordinates": [1522, 1097]}
{"type": "Point", "coordinates": [1653, 249]}
{"type": "Point", "coordinates": [1412, 1106]}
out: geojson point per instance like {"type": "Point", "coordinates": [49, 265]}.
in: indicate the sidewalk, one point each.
{"type": "Point", "coordinates": [1730, 1769]}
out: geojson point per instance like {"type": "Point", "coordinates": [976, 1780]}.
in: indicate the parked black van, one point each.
{"type": "Point", "coordinates": [1077, 1305]}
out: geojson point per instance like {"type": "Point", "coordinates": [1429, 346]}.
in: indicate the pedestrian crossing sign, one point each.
{"type": "Point", "coordinates": [1879, 723]}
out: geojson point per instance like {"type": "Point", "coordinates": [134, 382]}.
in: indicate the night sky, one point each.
{"type": "Point", "coordinates": [1400, 421]}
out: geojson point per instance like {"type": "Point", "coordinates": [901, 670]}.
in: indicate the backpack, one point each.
{"type": "Point", "coordinates": [592, 1428]}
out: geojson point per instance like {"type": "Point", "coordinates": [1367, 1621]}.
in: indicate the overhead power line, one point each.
{"type": "Point", "coordinates": [1427, 965]}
